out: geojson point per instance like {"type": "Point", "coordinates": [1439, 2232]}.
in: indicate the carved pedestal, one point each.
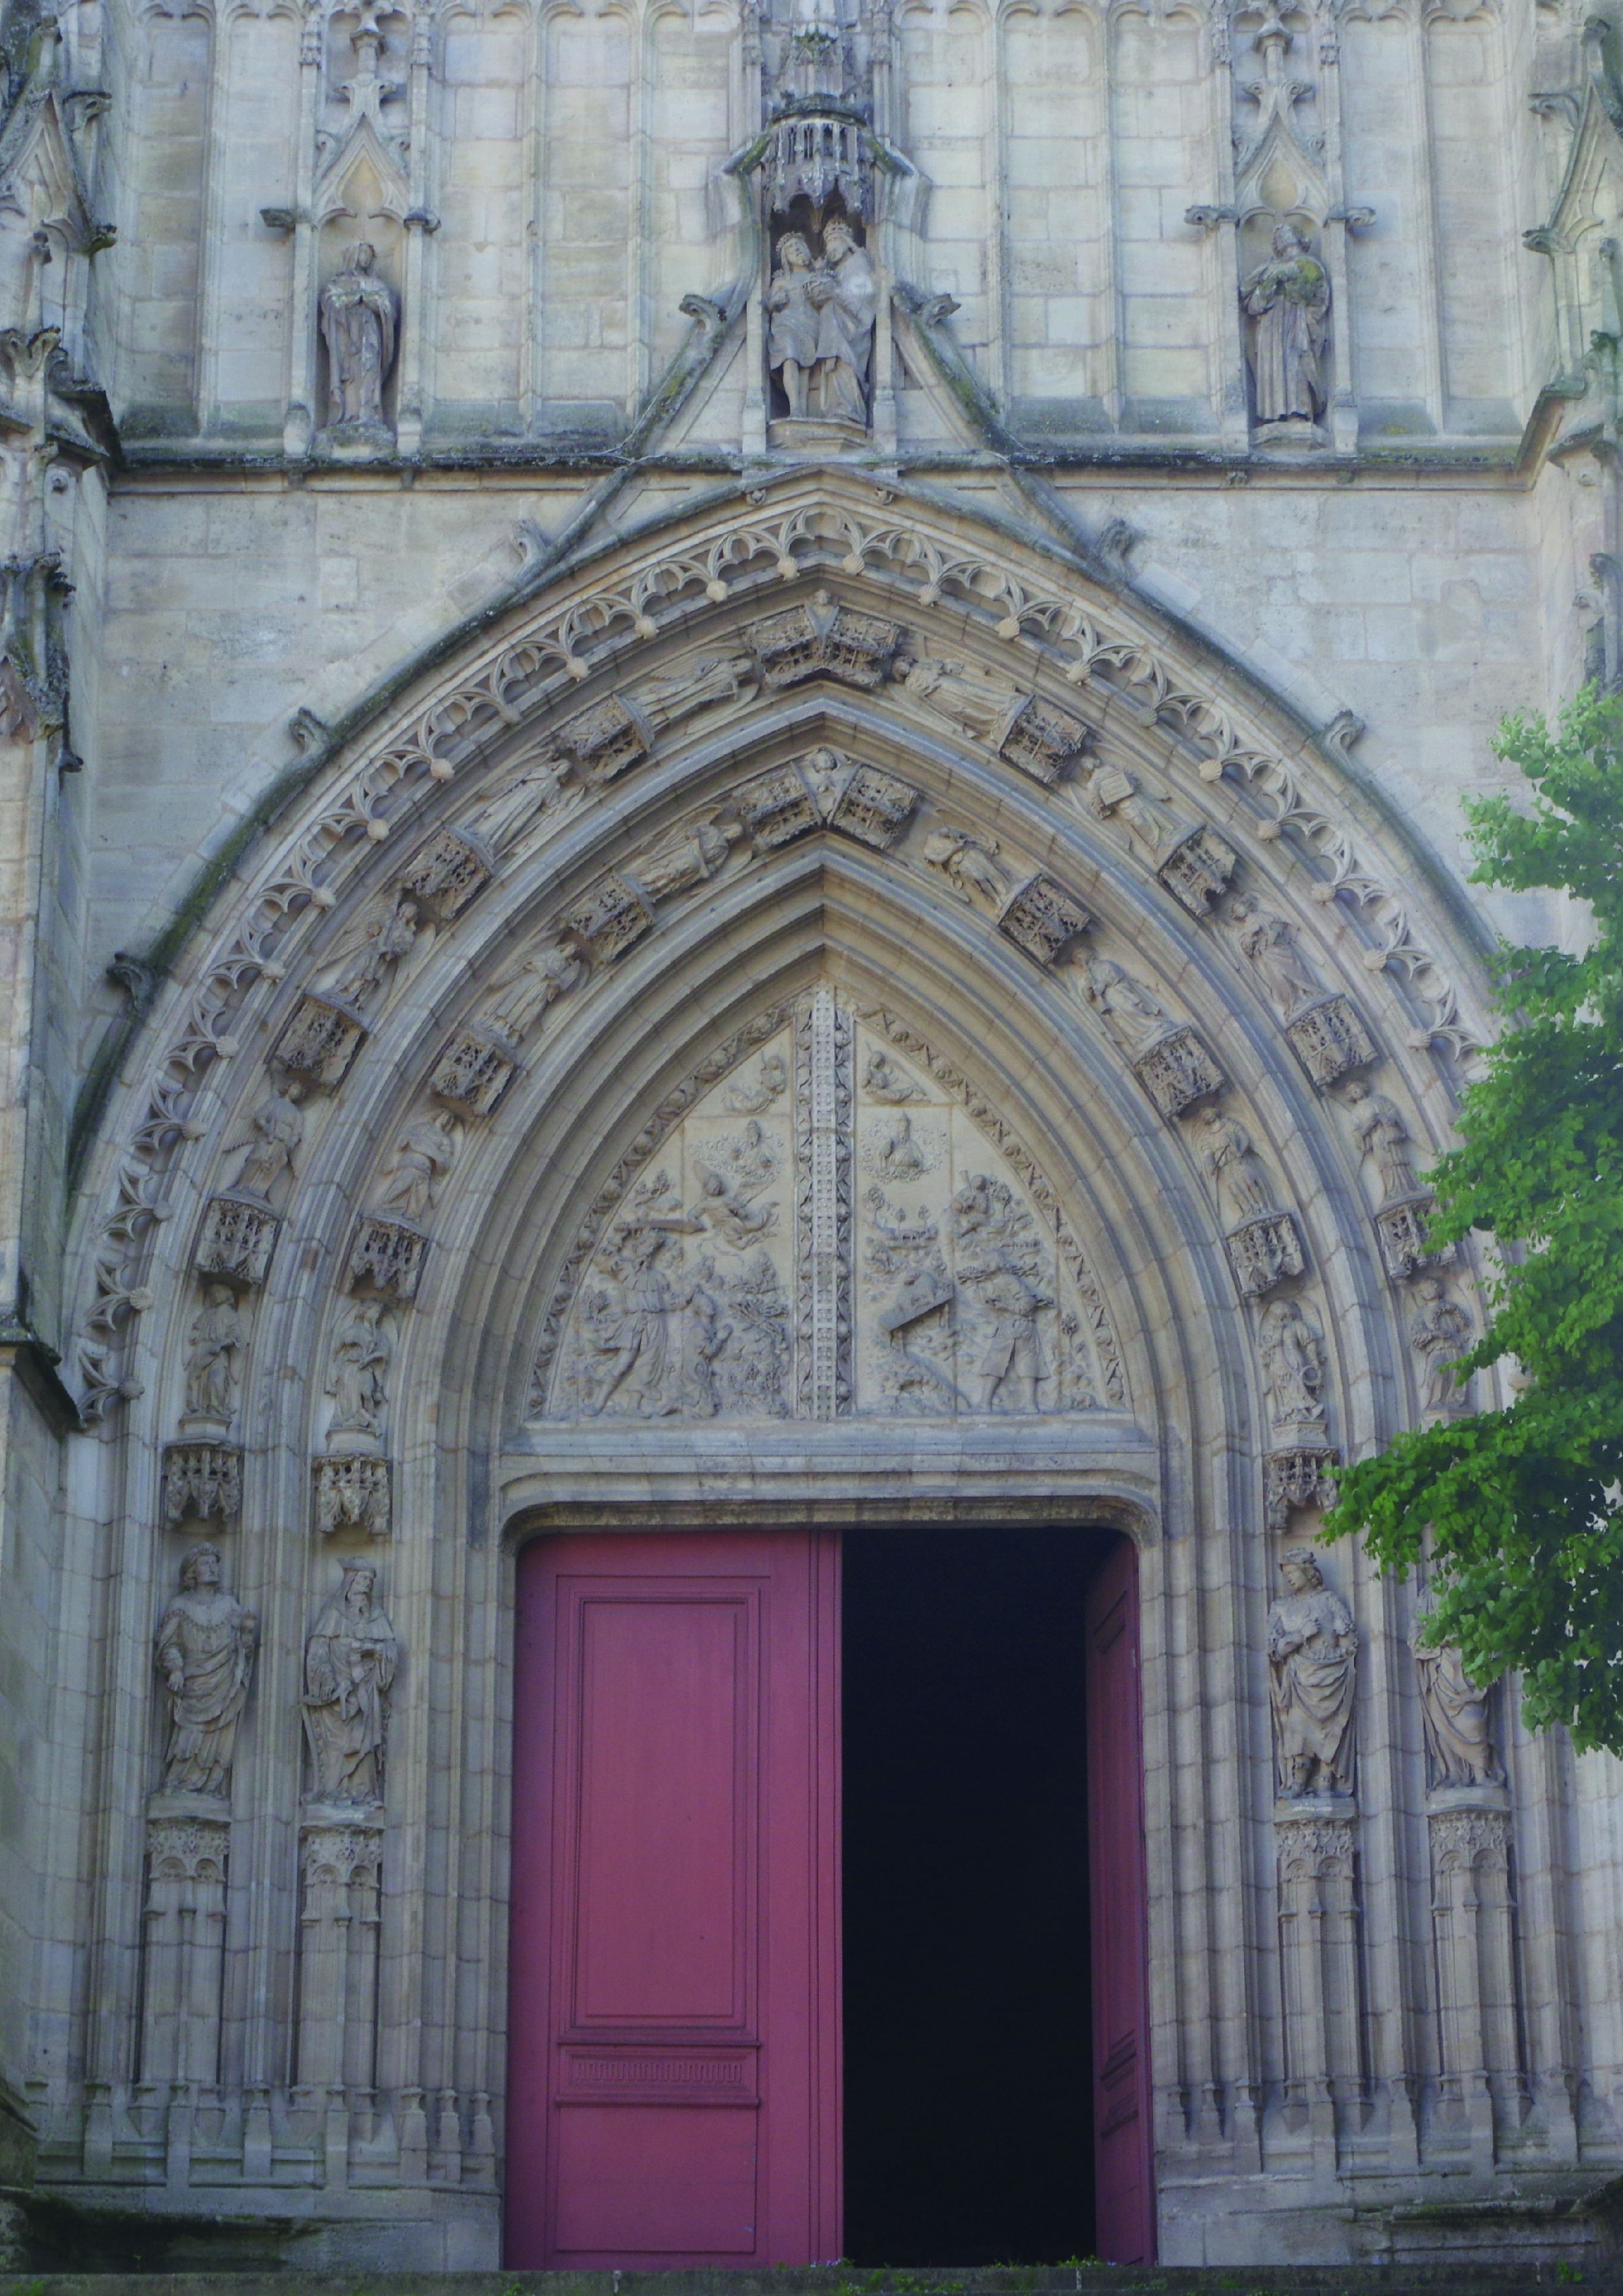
{"type": "Point", "coordinates": [1317, 1841]}
{"type": "Point", "coordinates": [340, 1866]}
{"type": "Point", "coordinates": [1178, 1072]}
{"type": "Point", "coordinates": [1262, 1252]}
{"type": "Point", "coordinates": [202, 1482]}
{"type": "Point", "coordinates": [1474, 1928]}
{"type": "Point", "coordinates": [188, 1837]}
{"type": "Point", "coordinates": [1329, 1038]}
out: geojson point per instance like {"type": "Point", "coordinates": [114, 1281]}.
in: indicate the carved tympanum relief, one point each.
{"type": "Point", "coordinates": [865, 1211]}
{"type": "Point", "coordinates": [1313, 1647]}
{"type": "Point", "coordinates": [204, 1651]}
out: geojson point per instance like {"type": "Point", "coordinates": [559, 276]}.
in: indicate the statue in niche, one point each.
{"type": "Point", "coordinates": [1459, 1751]}
{"type": "Point", "coordinates": [362, 1352]}
{"type": "Point", "coordinates": [412, 1178]}
{"type": "Point", "coordinates": [1268, 944]}
{"type": "Point", "coordinates": [1292, 1351]}
{"type": "Point", "coordinates": [1237, 1172]}
{"type": "Point", "coordinates": [205, 1652]}
{"type": "Point", "coordinates": [276, 1129]}
{"type": "Point", "coordinates": [1381, 1132]}
{"type": "Point", "coordinates": [704, 684]}
{"type": "Point", "coordinates": [1287, 299]}
{"type": "Point", "coordinates": [1440, 1332]}
{"type": "Point", "coordinates": [350, 1664]}
{"type": "Point", "coordinates": [1133, 1018]}
{"type": "Point", "coordinates": [978, 703]}
{"type": "Point", "coordinates": [791, 339]}
{"type": "Point", "coordinates": [822, 311]}
{"type": "Point", "coordinates": [212, 1348]}
{"type": "Point", "coordinates": [882, 1080]}
{"type": "Point", "coordinates": [513, 808]}
{"type": "Point", "coordinates": [770, 1082]}
{"type": "Point", "coordinates": [359, 315]}
{"type": "Point", "coordinates": [845, 326]}
{"type": "Point", "coordinates": [1313, 1646]}
{"type": "Point", "coordinates": [521, 995]}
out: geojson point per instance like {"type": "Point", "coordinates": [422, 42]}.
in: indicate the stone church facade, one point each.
{"type": "Point", "coordinates": [732, 742]}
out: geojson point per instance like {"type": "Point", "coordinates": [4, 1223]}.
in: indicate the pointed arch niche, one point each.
{"type": "Point", "coordinates": [816, 1009]}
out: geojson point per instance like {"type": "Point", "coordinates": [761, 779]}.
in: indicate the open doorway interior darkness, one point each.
{"type": "Point", "coordinates": [968, 2123]}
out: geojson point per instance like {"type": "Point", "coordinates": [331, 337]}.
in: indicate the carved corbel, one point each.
{"type": "Point", "coordinates": [472, 1072]}
{"type": "Point", "coordinates": [320, 1042]}
{"type": "Point", "coordinates": [201, 1482]}
{"type": "Point", "coordinates": [386, 1258]}
{"type": "Point", "coordinates": [1400, 1228]}
{"type": "Point", "coordinates": [1298, 1476]}
{"type": "Point", "coordinates": [1263, 1253]}
{"type": "Point", "coordinates": [352, 1492]}
{"type": "Point", "coordinates": [239, 1235]}
{"type": "Point", "coordinates": [1178, 1072]}
{"type": "Point", "coordinates": [1329, 1039]}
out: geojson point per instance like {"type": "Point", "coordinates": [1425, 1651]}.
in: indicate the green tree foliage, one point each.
{"type": "Point", "coordinates": [1520, 1509]}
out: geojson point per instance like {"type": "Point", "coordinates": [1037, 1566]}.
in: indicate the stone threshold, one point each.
{"type": "Point", "coordinates": [1463, 2277]}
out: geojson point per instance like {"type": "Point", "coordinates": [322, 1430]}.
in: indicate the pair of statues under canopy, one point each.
{"type": "Point", "coordinates": [820, 309]}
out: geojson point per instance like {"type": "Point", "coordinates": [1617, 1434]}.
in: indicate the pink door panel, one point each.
{"type": "Point", "coordinates": [674, 2017]}
{"type": "Point", "coordinates": [1123, 2195]}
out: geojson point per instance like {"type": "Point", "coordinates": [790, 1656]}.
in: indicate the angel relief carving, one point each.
{"type": "Point", "coordinates": [779, 1204]}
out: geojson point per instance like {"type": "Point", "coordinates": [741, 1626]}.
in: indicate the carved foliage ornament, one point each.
{"type": "Point", "coordinates": [918, 557]}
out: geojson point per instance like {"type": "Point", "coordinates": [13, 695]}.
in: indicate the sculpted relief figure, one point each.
{"type": "Point", "coordinates": [1268, 944]}
{"type": "Point", "coordinates": [1382, 1134]}
{"type": "Point", "coordinates": [350, 1663]}
{"type": "Point", "coordinates": [385, 931]}
{"type": "Point", "coordinates": [770, 1082]}
{"type": "Point", "coordinates": [277, 1128]}
{"type": "Point", "coordinates": [1459, 1751]}
{"type": "Point", "coordinates": [1440, 1332]}
{"type": "Point", "coordinates": [1292, 1352]}
{"type": "Point", "coordinates": [1287, 299]}
{"type": "Point", "coordinates": [1238, 1174]}
{"type": "Point", "coordinates": [359, 311]}
{"type": "Point", "coordinates": [1313, 1647]}
{"type": "Point", "coordinates": [683, 857]}
{"type": "Point", "coordinates": [425, 1153]}
{"type": "Point", "coordinates": [792, 338]}
{"type": "Point", "coordinates": [520, 995]}
{"type": "Point", "coordinates": [971, 867]}
{"type": "Point", "coordinates": [703, 684]}
{"type": "Point", "coordinates": [883, 1081]}
{"type": "Point", "coordinates": [214, 1344]}
{"type": "Point", "coordinates": [205, 1654]}
{"type": "Point", "coordinates": [1133, 1018]}
{"type": "Point", "coordinates": [363, 1349]}
{"type": "Point", "coordinates": [978, 703]}
{"type": "Point", "coordinates": [514, 807]}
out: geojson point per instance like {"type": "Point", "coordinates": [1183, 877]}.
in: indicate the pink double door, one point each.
{"type": "Point", "coordinates": [674, 2090]}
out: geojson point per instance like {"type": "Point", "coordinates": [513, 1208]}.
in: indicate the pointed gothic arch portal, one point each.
{"type": "Point", "coordinates": [721, 2055]}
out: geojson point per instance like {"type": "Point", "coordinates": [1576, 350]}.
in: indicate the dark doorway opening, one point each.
{"type": "Point", "coordinates": [968, 2096]}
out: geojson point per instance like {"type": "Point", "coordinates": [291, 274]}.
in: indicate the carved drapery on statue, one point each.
{"type": "Point", "coordinates": [1313, 1647]}
{"type": "Point", "coordinates": [836, 1192]}
{"type": "Point", "coordinates": [204, 1650]}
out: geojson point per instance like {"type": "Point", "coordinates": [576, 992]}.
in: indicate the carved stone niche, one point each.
{"type": "Point", "coordinates": [1197, 869]}
{"type": "Point", "coordinates": [1401, 1228]}
{"type": "Point", "coordinates": [824, 790]}
{"type": "Point", "coordinates": [320, 1042]}
{"type": "Point", "coordinates": [352, 1493]}
{"type": "Point", "coordinates": [1329, 1038]}
{"type": "Point", "coordinates": [605, 740]}
{"type": "Point", "coordinates": [610, 917]}
{"type": "Point", "coordinates": [1297, 1477]}
{"type": "Point", "coordinates": [472, 1072]}
{"type": "Point", "coordinates": [201, 1482]}
{"type": "Point", "coordinates": [1043, 918]}
{"type": "Point", "coordinates": [1263, 1253]}
{"type": "Point", "coordinates": [1178, 1072]}
{"type": "Point", "coordinates": [824, 639]}
{"type": "Point", "coordinates": [1040, 740]}
{"type": "Point", "coordinates": [447, 872]}
{"type": "Point", "coordinates": [239, 1235]}
{"type": "Point", "coordinates": [386, 1258]}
